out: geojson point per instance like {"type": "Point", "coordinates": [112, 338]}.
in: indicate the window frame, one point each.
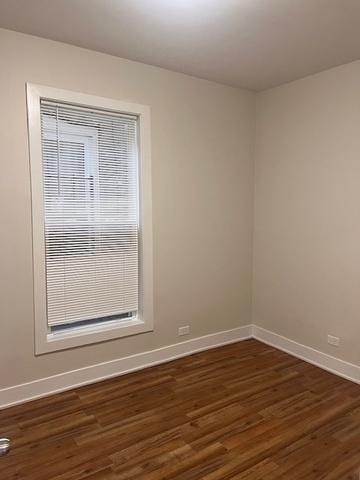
{"type": "Point", "coordinates": [45, 340]}
{"type": "Point", "coordinates": [86, 135]}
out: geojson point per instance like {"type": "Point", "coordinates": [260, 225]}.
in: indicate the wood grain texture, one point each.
{"type": "Point", "coordinates": [242, 412]}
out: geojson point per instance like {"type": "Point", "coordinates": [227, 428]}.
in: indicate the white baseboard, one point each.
{"type": "Point", "coordinates": [95, 373]}
{"type": "Point", "coordinates": [327, 362]}
{"type": "Point", "coordinates": [65, 381]}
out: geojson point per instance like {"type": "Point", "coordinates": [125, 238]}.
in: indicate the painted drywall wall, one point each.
{"type": "Point", "coordinates": [202, 168]}
{"type": "Point", "coordinates": [307, 211]}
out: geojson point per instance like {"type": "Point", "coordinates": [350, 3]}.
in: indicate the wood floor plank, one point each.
{"type": "Point", "coordinates": [245, 411]}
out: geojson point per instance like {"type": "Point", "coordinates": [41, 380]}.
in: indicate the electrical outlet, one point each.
{"type": "Point", "coordinates": [184, 330]}
{"type": "Point", "coordinates": [335, 341]}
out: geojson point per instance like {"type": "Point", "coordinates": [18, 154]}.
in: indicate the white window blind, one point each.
{"type": "Point", "coordinates": [90, 185]}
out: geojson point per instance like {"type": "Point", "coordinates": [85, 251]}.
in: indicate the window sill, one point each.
{"type": "Point", "coordinates": [51, 342]}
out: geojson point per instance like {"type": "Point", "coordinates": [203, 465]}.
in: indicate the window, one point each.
{"type": "Point", "coordinates": [91, 202]}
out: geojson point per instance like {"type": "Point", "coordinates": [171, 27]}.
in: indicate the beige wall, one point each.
{"type": "Point", "coordinates": [307, 211]}
{"type": "Point", "coordinates": [202, 141]}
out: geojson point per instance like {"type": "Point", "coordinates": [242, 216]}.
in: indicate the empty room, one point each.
{"type": "Point", "coordinates": [180, 240]}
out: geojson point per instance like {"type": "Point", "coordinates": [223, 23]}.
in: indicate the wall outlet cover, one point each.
{"type": "Point", "coordinates": [184, 330]}
{"type": "Point", "coordinates": [335, 341]}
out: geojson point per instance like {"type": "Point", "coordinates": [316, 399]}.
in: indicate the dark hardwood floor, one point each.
{"type": "Point", "coordinates": [244, 411]}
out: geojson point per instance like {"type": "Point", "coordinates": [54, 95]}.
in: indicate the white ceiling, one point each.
{"type": "Point", "coordinates": [255, 44]}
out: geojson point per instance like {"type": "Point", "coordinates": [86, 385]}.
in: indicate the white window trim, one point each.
{"type": "Point", "coordinates": [46, 341]}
